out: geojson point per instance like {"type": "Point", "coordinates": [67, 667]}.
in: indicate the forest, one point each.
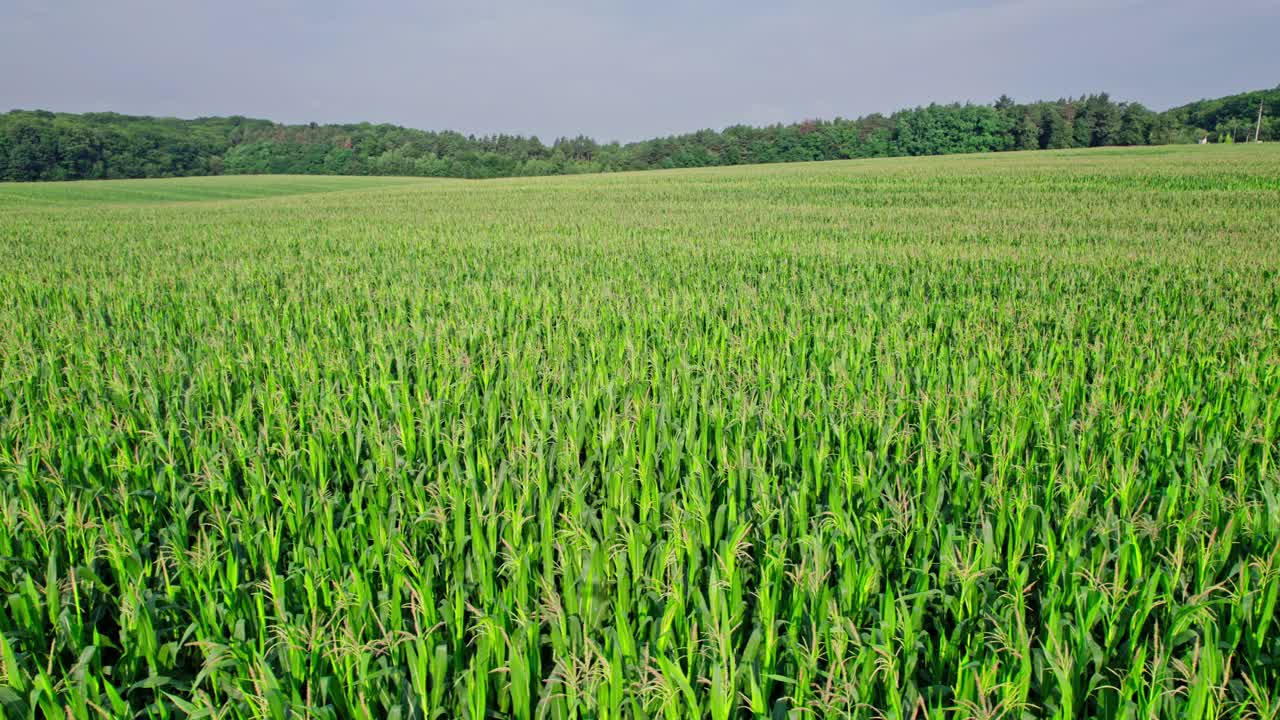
{"type": "Point", "coordinates": [42, 145]}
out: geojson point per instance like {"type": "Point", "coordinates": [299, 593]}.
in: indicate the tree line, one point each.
{"type": "Point", "coordinates": [42, 145]}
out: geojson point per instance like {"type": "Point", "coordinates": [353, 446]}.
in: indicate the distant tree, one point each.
{"type": "Point", "coordinates": [1055, 133]}
{"type": "Point", "coordinates": [1100, 121]}
{"type": "Point", "coordinates": [1007, 107]}
{"type": "Point", "coordinates": [40, 145]}
{"type": "Point", "coordinates": [1135, 125]}
{"type": "Point", "coordinates": [33, 151]}
{"type": "Point", "coordinates": [1162, 129]}
{"type": "Point", "coordinates": [1026, 135]}
{"type": "Point", "coordinates": [1081, 127]}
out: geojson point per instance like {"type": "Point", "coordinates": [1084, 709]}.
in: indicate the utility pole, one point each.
{"type": "Point", "coordinates": [1257, 133]}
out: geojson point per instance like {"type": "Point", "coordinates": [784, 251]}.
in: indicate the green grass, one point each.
{"type": "Point", "coordinates": [21, 196]}
{"type": "Point", "coordinates": [974, 437]}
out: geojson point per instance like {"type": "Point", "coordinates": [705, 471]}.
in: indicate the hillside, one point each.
{"type": "Point", "coordinates": [1234, 115]}
{"type": "Point", "coordinates": [958, 437]}
{"type": "Point", "coordinates": [40, 145]}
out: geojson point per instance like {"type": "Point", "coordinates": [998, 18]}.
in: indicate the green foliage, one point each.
{"type": "Point", "coordinates": [57, 146]}
{"type": "Point", "coordinates": [938, 130]}
{"type": "Point", "coordinates": [1055, 133]}
{"type": "Point", "coordinates": [40, 145]}
{"type": "Point", "coordinates": [991, 436]}
{"type": "Point", "coordinates": [1236, 115]}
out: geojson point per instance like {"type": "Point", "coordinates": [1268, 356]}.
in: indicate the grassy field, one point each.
{"type": "Point", "coordinates": [26, 196]}
{"type": "Point", "coordinates": [970, 437]}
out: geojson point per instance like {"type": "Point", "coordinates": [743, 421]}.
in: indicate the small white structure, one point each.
{"type": "Point", "coordinates": [1204, 140]}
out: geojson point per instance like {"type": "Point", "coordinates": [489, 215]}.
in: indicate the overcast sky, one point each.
{"type": "Point", "coordinates": [617, 69]}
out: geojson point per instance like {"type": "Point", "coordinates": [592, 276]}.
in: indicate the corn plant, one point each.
{"type": "Point", "coordinates": [965, 437]}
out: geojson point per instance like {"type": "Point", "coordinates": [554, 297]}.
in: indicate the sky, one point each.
{"type": "Point", "coordinates": [614, 69]}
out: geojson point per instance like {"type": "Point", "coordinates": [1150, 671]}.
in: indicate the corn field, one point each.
{"type": "Point", "coordinates": [967, 437]}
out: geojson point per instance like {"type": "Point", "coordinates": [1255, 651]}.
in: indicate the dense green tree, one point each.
{"type": "Point", "coordinates": [40, 145]}
{"type": "Point", "coordinates": [940, 130]}
{"type": "Point", "coordinates": [1055, 132]}
{"type": "Point", "coordinates": [1077, 116]}
{"type": "Point", "coordinates": [1163, 130]}
{"type": "Point", "coordinates": [1026, 133]}
{"type": "Point", "coordinates": [1135, 125]}
{"type": "Point", "coordinates": [1217, 117]}
{"type": "Point", "coordinates": [1102, 119]}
